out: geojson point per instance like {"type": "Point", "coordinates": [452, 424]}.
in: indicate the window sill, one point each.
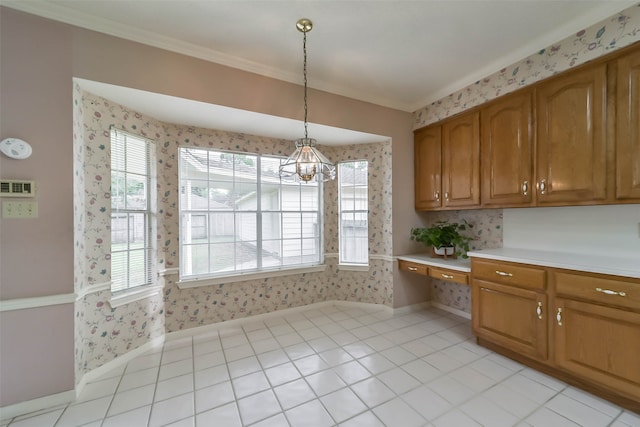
{"type": "Point", "coordinates": [353, 267]}
{"type": "Point", "coordinates": [128, 296]}
{"type": "Point", "coordinates": [208, 281]}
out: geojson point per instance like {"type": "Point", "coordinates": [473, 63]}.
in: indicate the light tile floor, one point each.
{"type": "Point", "coordinates": [329, 366]}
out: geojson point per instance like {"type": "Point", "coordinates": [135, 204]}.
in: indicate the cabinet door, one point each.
{"type": "Point", "coordinates": [571, 146]}
{"type": "Point", "coordinates": [427, 148]}
{"type": "Point", "coordinates": [507, 151]}
{"type": "Point", "coordinates": [598, 343]}
{"type": "Point", "coordinates": [510, 317]}
{"type": "Point", "coordinates": [628, 128]}
{"type": "Point", "coordinates": [461, 161]}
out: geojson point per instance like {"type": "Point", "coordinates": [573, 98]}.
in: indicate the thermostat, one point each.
{"type": "Point", "coordinates": [15, 148]}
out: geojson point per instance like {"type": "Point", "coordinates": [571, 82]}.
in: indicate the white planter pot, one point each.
{"type": "Point", "coordinates": [445, 250]}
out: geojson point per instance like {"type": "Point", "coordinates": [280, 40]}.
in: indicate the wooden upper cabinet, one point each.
{"type": "Point", "coordinates": [571, 138]}
{"type": "Point", "coordinates": [507, 151]}
{"type": "Point", "coordinates": [628, 127]}
{"type": "Point", "coordinates": [428, 168]}
{"type": "Point", "coordinates": [461, 161]}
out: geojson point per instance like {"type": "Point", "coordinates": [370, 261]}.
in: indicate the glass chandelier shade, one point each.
{"type": "Point", "coordinates": [307, 162]}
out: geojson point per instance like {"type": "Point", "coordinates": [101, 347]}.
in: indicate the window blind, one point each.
{"type": "Point", "coordinates": [131, 210]}
{"type": "Point", "coordinates": [353, 198]}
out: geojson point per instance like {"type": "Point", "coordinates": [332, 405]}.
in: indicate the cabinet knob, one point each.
{"type": "Point", "coordinates": [525, 188]}
{"type": "Point", "coordinates": [543, 186]}
{"type": "Point", "coordinates": [559, 316]}
{"type": "Point", "coordinates": [539, 310]}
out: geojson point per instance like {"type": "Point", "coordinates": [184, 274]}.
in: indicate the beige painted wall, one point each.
{"type": "Point", "coordinates": [36, 255]}
{"type": "Point", "coordinates": [39, 59]}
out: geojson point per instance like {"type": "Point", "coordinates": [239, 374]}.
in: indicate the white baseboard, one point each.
{"type": "Point", "coordinates": [11, 411]}
{"type": "Point", "coordinates": [411, 308]}
{"type": "Point", "coordinates": [171, 336]}
{"type": "Point", "coordinates": [451, 310]}
{"type": "Point", "coordinates": [116, 363]}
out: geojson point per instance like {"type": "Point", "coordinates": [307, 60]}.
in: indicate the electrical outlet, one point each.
{"type": "Point", "coordinates": [19, 209]}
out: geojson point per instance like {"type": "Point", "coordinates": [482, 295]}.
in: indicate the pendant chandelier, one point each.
{"type": "Point", "coordinates": [307, 163]}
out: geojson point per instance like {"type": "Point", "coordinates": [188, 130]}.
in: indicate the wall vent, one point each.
{"type": "Point", "coordinates": [14, 188]}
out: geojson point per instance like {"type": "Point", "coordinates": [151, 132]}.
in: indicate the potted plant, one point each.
{"type": "Point", "coordinates": [444, 238]}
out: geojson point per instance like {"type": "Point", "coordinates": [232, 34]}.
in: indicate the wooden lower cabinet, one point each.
{"type": "Point", "coordinates": [511, 317]}
{"type": "Point", "coordinates": [587, 335]}
{"type": "Point", "coordinates": [598, 343]}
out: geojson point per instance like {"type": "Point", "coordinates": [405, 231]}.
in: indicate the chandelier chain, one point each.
{"type": "Point", "coordinates": [304, 50]}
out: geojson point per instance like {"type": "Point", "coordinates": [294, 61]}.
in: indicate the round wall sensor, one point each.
{"type": "Point", "coordinates": [15, 148]}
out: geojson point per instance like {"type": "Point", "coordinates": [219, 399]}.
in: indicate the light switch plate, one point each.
{"type": "Point", "coordinates": [19, 209]}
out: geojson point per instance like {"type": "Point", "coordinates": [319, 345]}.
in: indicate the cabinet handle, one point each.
{"type": "Point", "coordinates": [413, 268]}
{"type": "Point", "coordinates": [610, 292]}
{"type": "Point", "coordinates": [525, 188]}
{"type": "Point", "coordinates": [503, 273]}
{"type": "Point", "coordinates": [543, 186]}
{"type": "Point", "coordinates": [446, 276]}
{"type": "Point", "coordinates": [437, 195]}
{"type": "Point", "coordinates": [539, 310]}
{"type": "Point", "coordinates": [559, 316]}
{"type": "Point", "coordinates": [446, 195]}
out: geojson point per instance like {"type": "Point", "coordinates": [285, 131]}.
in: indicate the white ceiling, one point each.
{"type": "Point", "coordinates": [396, 53]}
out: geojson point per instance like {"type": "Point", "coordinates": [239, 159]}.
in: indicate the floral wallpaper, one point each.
{"type": "Point", "coordinates": [187, 308]}
{"type": "Point", "coordinates": [599, 39]}
{"type": "Point", "coordinates": [101, 332]}
{"type": "Point", "coordinates": [104, 333]}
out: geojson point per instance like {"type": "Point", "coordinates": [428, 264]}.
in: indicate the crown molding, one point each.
{"type": "Point", "coordinates": [79, 19]}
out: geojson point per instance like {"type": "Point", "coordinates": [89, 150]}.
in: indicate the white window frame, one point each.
{"type": "Point", "coordinates": [123, 293]}
{"type": "Point", "coordinates": [343, 262]}
{"type": "Point", "coordinates": [259, 272]}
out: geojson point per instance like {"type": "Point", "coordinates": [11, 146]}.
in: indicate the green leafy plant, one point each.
{"type": "Point", "coordinates": [444, 234]}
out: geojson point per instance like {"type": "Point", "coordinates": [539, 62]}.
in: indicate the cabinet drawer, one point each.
{"type": "Point", "coordinates": [597, 288]}
{"type": "Point", "coordinates": [449, 275]}
{"type": "Point", "coordinates": [509, 273]}
{"type": "Point", "coordinates": [412, 267]}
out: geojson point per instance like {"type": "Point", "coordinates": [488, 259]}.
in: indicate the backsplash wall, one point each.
{"type": "Point", "coordinates": [595, 230]}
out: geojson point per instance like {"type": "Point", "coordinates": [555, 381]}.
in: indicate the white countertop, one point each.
{"type": "Point", "coordinates": [459, 264]}
{"type": "Point", "coordinates": [619, 266]}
